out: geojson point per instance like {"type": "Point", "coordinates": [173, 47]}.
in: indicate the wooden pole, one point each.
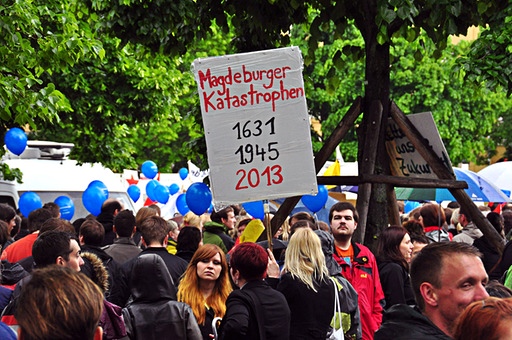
{"type": "Point", "coordinates": [441, 170]}
{"type": "Point", "coordinates": [320, 158]}
{"type": "Point", "coordinates": [367, 167]}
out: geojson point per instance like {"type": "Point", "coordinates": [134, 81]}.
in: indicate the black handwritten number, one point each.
{"type": "Point", "coordinates": [258, 128]}
{"type": "Point", "coordinates": [237, 128]}
{"type": "Point", "coordinates": [245, 131]}
{"type": "Point", "coordinates": [249, 151]}
{"type": "Point", "coordinates": [260, 152]}
{"type": "Point", "coordinates": [271, 123]}
{"type": "Point", "coordinates": [272, 150]}
{"type": "Point", "coordinates": [246, 151]}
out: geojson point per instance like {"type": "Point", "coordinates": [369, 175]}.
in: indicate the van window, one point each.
{"type": "Point", "coordinates": [9, 200]}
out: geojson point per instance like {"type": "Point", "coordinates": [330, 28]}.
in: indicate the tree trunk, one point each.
{"type": "Point", "coordinates": [377, 90]}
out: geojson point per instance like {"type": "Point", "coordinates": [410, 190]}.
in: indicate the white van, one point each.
{"type": "Point", "coordinates": [48, 172]}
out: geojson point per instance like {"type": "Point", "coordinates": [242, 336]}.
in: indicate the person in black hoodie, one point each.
{"type": "Point", "coordinates": [154, 313]}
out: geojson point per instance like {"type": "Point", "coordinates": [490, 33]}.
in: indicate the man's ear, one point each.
{"type": "Point", "coordinates": [428, 292]}
{"type": "Point", "coordinates": [81, 239]}
{"type": "Point", "coordinates": [60, 261]}
{"type": "Point", "coordinates": [98, 334]}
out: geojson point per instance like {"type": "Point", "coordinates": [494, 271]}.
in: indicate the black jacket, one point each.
{"type": "Point", "coordinates": [402, 322]}
{"type": "Point", "coordinates": [491, 255]}
{"type": "Point", "coordinates": [153, 313]}
{"type": "Point", "coordinates": [311, 312]}
{"type": "Point", "coordinates": [396, 283]}
{"type": "Point", "coordinates": [118, 292]}
{"type": "Point", "coordinates": [242, 305]}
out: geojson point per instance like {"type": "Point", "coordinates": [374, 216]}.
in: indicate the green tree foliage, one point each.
{"type": "Point", "coordinates": [38, 38]}
{"type": "Point", "coordinates": [489, 61]}
{"type": "Point", "coordinates": [134, 105]}
{"type": "Point", "coordinates": [489, 64]}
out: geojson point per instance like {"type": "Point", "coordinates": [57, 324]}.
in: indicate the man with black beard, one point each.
{"type": "Point", "coordinates": [358, 265]}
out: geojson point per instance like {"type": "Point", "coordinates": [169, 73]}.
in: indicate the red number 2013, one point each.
{"type": "Point", "coordinates": [252, 178]}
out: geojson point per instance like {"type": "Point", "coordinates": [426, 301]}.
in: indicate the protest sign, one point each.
{"type": "Point", "coordinates": [405, 160]}
{"type": "Point", "coordinates": [256, 125]}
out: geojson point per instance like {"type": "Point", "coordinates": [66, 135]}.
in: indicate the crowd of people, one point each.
{"type": "Point", "coordinates": [121, 275]}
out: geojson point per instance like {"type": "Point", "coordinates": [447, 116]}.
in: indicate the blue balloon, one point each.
{"type": "Point", "coordinates": [149, 169]}
{"type": "Point", "coordinates": [317, 202]}
{"type": "Point", "coordinates": [134, 192]}
{"type": "Point", "coordinates": [255, 209]}
{"type": "Point", "coordinates": [174, 188]}
{"type": "Point", "coordinates": [100, 185]}
{"type": "Point", "coordinates": [161, 194]}
{"type": "Point", "coordinates": [67, 207]}
{"type": "Point", "coordinates": [181, 204]}
{"type": "Point", "coordinates": [183, 173]}
{"type": "Point", "coordinates": [93, 198]}
{"type": "Point", "coordinates": [150, 189]}
{"type": "Point", "coordinates": [198, 198]}
{"type": "Point", "coordinates": [16, 140]}
{"type": "Point", "coordinates": [210, 209]}
{"type": "Point", "coordinates": [29, 201]}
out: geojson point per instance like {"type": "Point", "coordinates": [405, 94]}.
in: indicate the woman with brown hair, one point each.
{"type": "Point", "coordinates": [394, 252]}
{"type": "Point", "coordinates": [205, 286]}
{"type": "Point", "coordinates": [432, 219]}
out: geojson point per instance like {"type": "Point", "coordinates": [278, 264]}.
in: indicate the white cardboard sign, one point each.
{"type": "Point", "coordinates": [405, 160]}
{"type": "Point", "coordinates": [256, 125]}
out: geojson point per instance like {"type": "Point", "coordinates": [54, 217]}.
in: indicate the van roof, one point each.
{"type": "Point", "coordinates": [63, 175]}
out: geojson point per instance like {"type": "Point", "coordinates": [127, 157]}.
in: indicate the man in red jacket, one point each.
{"type": "Point", "coordinates": [358, 266]}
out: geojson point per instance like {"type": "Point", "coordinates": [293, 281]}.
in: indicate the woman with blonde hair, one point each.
{"type": "Point", "coordinates": [205, 286]}
{"type": "Point", "coordinates": [307, 286]}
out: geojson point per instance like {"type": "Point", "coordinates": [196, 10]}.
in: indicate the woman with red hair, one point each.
{"type": "Point", "coordinates": [205, 286]}
{"type": "Point", "coordinates": [255, 311]}
{"type": "Point", "coordinates": [487, 319]}
{"type": "Point", "coordinates": [394, 252]}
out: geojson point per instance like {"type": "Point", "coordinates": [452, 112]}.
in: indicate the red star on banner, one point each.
{"type": "Point", "coordinates": [132, 181]}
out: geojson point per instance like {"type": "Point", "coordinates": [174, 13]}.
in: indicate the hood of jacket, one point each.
{"type": "Point", "coordinates": [150, 280]}
{"type": "Point", "coordinates": [214, 227]}
{"type": "Point", "coordinates": [95, 269]}
{"type": "Point", "coordinates": [327, 241]}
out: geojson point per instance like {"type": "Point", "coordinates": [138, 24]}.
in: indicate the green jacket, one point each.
{"type": "Point", "coordinates": [216, 233]}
